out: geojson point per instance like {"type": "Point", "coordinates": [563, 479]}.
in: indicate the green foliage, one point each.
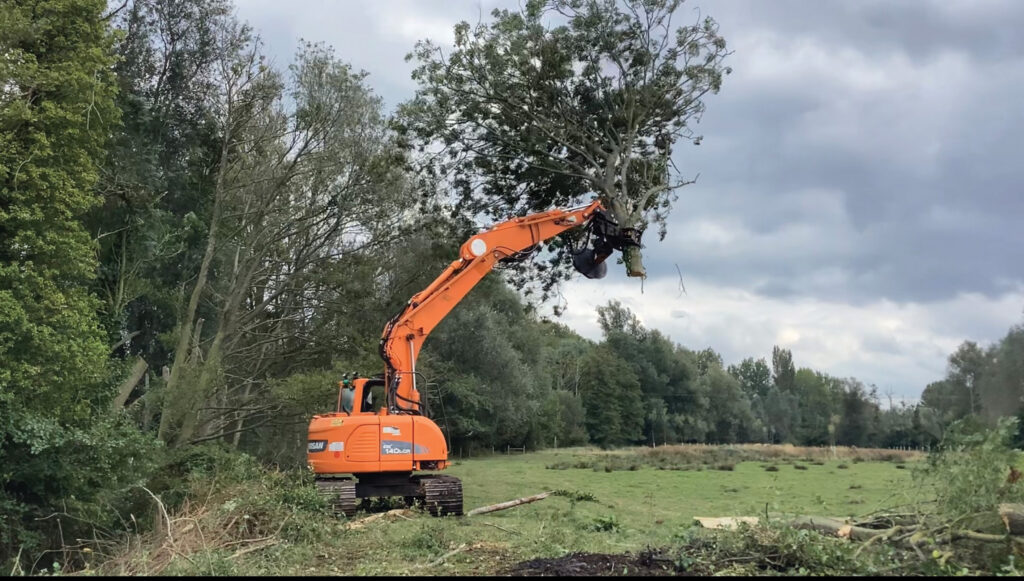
{"type": "Point", "coordinates": [611, 393]}
{"type": "Point", "coordinates": [606, 524]}
{"type": "Point", "coordinates": [535, 115]}
{"type": "Point", "coordinates": [58, 449]}
{"type": "Point", "coordinates": [969, 472]}
{"type": "Point", "coordinates": [575, 496]}
{"type": "Point", "coordinates": [774, 548]}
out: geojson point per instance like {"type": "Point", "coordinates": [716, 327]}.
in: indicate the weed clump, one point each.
{"type": "Point", "coordinates": [606, 524]}
{"type": "Point", "coordinates": [576, 495]}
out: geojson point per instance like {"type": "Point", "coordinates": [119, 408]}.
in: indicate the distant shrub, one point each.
{"type": "Point", "coordinates": [725, 467]}
{"type": "Point", "coordinates": [842, 466]}
{"type": "Point", "coordinates": [799, 467]}
{"type": "Point", "coordinates": [576, 495]}
{"type": "Point", "coordinates": [771, 468]}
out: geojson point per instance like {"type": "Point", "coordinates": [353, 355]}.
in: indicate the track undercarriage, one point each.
{"type": "Point", "coordinates": [440, 494]}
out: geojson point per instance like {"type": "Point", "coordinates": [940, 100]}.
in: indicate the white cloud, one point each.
{"type": "Point", "coordinates": [902, 346]}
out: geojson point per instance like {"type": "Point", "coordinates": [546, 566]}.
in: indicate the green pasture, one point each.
{"type": "Point", "coordinates": [632, 510]}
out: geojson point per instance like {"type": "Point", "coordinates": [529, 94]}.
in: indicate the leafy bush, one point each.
{"type": "Point", "coordinates": [608, 523]}
{"type": "Point", "coordinates": [772, 548]}
{"type": "Point", "coordinates": [84, 473]}
{"type": "Point", "coordinates": [576, 495]}
{"type": "Point", "coordinates": [968, 474]}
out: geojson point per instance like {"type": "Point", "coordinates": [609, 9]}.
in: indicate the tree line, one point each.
{"type": "Point", "coordinates": [195, 244]}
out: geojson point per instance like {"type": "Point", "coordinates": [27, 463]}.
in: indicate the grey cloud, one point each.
{"type": "Point", "coordinates": [899, 157]}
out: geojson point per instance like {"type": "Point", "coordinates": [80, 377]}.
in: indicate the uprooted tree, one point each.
{"type": "Point", "coordinates": [540, 107]}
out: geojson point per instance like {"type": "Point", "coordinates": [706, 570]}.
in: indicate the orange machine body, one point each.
{"type": "Point", "coordinates": [366, 442]}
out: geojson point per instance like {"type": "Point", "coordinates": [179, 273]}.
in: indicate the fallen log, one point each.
{"type": "Point", "coordinates": [510, 504]}
{"type": "Point", "coordinates": [441, 559]}
{"type": "Point", "coordinates": [358, 524]}
{"type": "Point", "coordinates": [835, 527]}
{"type": "Point", "coordinates": [908, 535]}
{"type": "Point", "coordinates": [725, 522]}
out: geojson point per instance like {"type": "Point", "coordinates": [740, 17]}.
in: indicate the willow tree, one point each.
{"type": "Point", "coordinates": [564, 100]}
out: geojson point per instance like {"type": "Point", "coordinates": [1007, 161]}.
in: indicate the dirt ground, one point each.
{"type": "Point", "coordinates": [589, 564]}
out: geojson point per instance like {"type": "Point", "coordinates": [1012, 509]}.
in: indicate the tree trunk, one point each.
{"type": "Point", "coordinates": [138, 370]}
{"type": "Point", "coordinates": [509, 504]}
{"type": "Point", "coordinates": [634, 260]}
{"type": "Point", "coordinates": [171, 412]}
{"type": "Point", "coordinates": [632, 256]}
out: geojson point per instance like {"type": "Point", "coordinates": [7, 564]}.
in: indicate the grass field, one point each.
{"type": "Point", "coordinates": [633, 508]}
{"type": "Point", "coordinates": [611, 503]}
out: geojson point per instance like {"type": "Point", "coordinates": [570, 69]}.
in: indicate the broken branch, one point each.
{"type": "Point", "coordinates": [510, 504]}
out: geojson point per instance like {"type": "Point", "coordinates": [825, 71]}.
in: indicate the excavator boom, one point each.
{"type": "Point", "coordinates": [404, 335]}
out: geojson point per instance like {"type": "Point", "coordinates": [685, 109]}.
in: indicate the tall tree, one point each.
{"type": "Point", "coordinates": [300, 185]}
{"type": "Point", "coordinates": [755, 377]}
{"type": "Point", "coordinates": [156, 187]}
{"type": "Point", "coordinates": [56, 110]}
{"type": "Point", "coordinates": [612, 398]}
{"type": "Point", "coordinates": [531, 115]}
{"type": "Point", "coordinates": [1000, 386]}
{"type": "Point", "coordinates": [966, 367]}
{"type": "Point", "coordinates": [783, 370]}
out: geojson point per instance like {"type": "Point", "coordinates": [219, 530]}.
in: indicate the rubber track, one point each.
{"type": "Point", "coordinates": [442, 495]}
{"type": "Point", "coordinates": [340, 495]}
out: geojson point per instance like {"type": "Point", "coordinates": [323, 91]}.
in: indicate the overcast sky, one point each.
{"type": "Point", "coordinates": [860, 194]}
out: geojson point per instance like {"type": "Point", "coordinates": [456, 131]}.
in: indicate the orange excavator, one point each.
{"type": "Point", "coordinates": [366, 450]}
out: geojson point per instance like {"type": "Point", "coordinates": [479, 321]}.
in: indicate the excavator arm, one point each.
{"type": "Point", "coordinates": [405, 333]}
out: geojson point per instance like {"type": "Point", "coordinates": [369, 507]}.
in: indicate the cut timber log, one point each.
{"type": "Point", "coordinates": [834, 527]}
{"type": "Point", "coordinates": [398, 512]}
{"type": "Point", "coordinates": [825, 525]}
{"type": "Point", "coordinates": [1013, 518]}
{"type": "Point", "coordinates": [510, 504]}
{"type": "Point", "coordinates": [724, 522]}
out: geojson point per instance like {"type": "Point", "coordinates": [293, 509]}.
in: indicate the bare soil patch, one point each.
{"type": "Point", "coordinates": [596, 564]}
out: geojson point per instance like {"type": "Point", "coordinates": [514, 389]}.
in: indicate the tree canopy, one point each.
{"type": "Point", "coordinates": [565, 100]}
